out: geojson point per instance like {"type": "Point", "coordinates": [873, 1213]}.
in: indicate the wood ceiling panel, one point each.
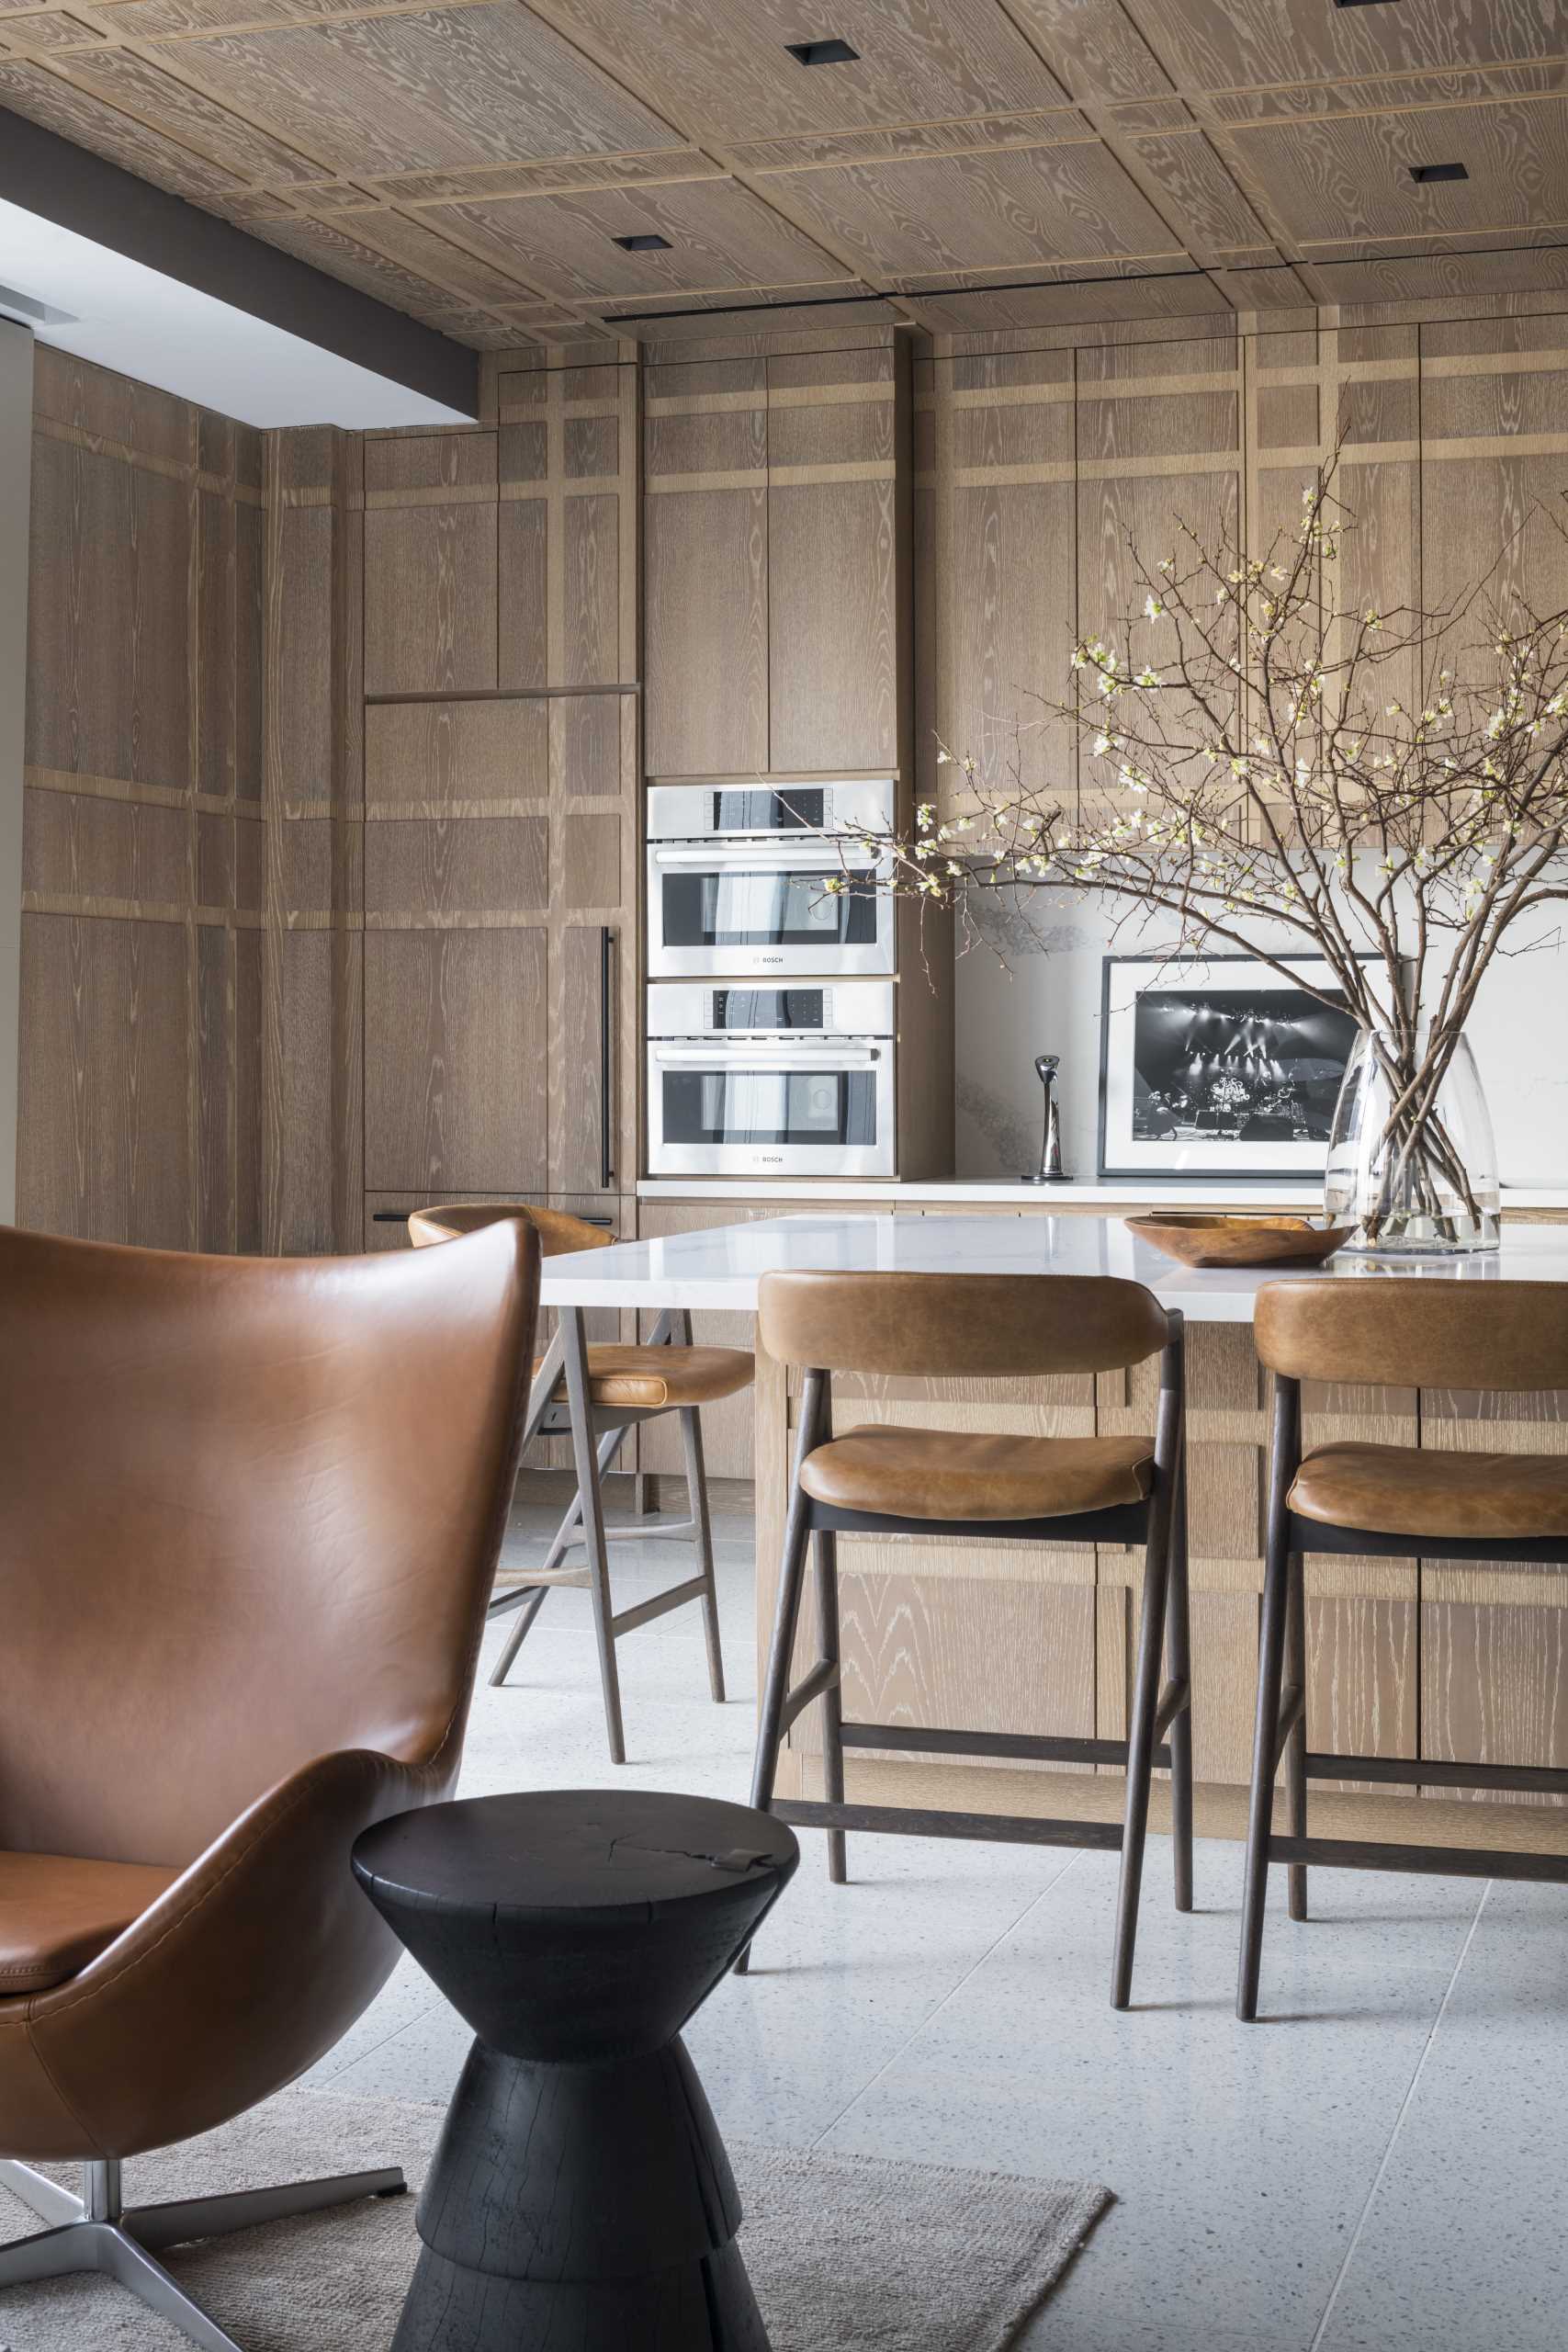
{"type": "Point", "coordinates": [724, 63]}
{"type": "Point", "coordinates": [1440, 277]}
{"type": "Point", "coordinates": [1185, 295]}
{"type": "Point", "coordinates": [445, 89]}
{"type": "Point", "coordinates": [1342, 178]}
{"type": "Point", "coordinates": [1200, 194]}
{"type": "Point", "coordinates": [961, 212]}
{"type": "Point", "coordinates": [343, 255]}
{"type": "Point", "coordinates": [472, 160]}
{"type": "Point", "coordinates": [1254, 43]}
{"type": "Point", "coordinates": [721, 235]}
{"type": "Point", "coordinates": [1096, 47]}
{"type": "Point", "coordinates": [436, 259]}
{"type": "Point", "coordinates": [33, 91]}
{"type": "Point", "coordinates": [145, 89]}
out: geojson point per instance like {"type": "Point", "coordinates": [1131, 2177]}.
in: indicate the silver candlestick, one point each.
{"type": "Point", "coordinates": [1051, 1168]}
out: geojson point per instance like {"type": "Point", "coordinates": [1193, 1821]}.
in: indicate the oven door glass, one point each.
{"type": "Point", "coordinates": [730, 908]}
{"type": "Point", "coordinates": [832, 1116]}
{"type": "Point", "coordinates": [743, 911]}
{"type": "Point", "coordinates": [815, 1106]}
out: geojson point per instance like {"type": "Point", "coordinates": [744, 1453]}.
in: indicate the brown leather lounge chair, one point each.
{"type": "Point", "coordinates": [250, 1514]}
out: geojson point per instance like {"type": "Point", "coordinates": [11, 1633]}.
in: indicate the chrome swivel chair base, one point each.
{"type": "Point", "coordinates": [95, 2232]}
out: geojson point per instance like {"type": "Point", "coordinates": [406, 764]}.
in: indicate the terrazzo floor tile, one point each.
{"type": "Point", "coordinates": [1254, 2149]}
{"type": "Point", "coordinates": [1464, 2242]}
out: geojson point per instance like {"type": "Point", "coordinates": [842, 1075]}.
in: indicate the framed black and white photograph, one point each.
{"type": "Point", "coordinates": [1217, 1065]}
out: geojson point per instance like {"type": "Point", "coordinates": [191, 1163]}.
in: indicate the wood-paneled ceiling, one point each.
{"type": "Point", "coordinates": [983, 163]}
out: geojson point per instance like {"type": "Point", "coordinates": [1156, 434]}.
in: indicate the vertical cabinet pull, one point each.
{"type": "Point", "coordinates": [606, 1055]}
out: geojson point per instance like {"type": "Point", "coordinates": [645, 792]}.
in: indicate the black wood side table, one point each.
{"type": "Point", "coordinates": [581, 2197]}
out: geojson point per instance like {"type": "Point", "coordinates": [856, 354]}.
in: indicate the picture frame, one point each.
{"type": "Point", "coordinates": [1213, 1066]}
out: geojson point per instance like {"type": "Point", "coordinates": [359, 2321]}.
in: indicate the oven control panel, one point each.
{"type": "Point", "coordinates": [805, 1009]}
{"type": "Point", "coordinates": [691, 812]}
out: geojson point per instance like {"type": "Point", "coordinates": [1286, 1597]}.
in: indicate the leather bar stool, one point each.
{"type": "Point", "coordinates": [886, 1480]}
{"type": "Point", "coordinates": [595, 1395]}
{"type": "Point", "coordinates": [1392, 1501]}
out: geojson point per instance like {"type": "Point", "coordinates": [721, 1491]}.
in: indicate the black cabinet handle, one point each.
{"type": "Point", "coordinates": [606, 1051]}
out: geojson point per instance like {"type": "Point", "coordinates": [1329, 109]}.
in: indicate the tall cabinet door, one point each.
{"type": "Point", "coordinates": [706, 521]}
{"type": "Point", "coordinates": [500, 871]}
{"type": "Point", "coordinates": [834, 553]}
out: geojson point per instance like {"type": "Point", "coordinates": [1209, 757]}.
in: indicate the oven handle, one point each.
{"type": "Point", "coordinates": [751, 1058]}
{"type": "Point", "coordinates": [768, 856]}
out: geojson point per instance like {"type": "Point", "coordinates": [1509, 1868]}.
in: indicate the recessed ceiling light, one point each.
{"type": "Point", "coordinates": [645, 244]}
{"type": "Point", "coordinates": [822, 52]}
{"type": "Point", "coordinates": [1424, 173]}
{"type": "Point", "coordinates": [1361, 3]}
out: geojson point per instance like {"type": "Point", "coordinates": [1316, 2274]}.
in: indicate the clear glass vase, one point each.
{"type": "Point", "coordinates": [1412, 1167]}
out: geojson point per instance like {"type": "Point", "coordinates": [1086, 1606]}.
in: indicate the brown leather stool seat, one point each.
{"type": "Point", "coordinates": [1397, 1490]}
{"type": "Point", "coordinates": [944, 1474]}
{"type": "Point", "coordinates": [653, 1380]}
{"type": "Point", "coordinates": [57, 1914]}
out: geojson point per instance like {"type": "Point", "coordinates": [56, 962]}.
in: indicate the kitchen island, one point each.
{"type": "Point", "coordinates": [1405, 1657]}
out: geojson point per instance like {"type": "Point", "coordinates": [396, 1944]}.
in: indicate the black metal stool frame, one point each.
{"type": "Point", "coordinates": [1282, 1727]}
{"type": "Point", "coordinates": [1160, 1725]}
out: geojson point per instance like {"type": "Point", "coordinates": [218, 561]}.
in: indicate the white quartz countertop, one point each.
{"type": "Point", "coordinates": [1008, 1192]}
{"type": "Point", "coordinates": [721, 1268]}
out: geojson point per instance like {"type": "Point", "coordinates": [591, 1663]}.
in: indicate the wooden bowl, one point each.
{"type": "Point", "coordinates": [1200, 1238]}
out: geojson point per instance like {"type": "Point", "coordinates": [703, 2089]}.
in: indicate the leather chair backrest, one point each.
{"type": "Point", "coordinates": [1000, 1325]}
{"type": "Point", "coordinates": [560, 1234]}
{"type": "Point", "coordinates": [1403, 1332]}
{"type": "Point", "coordinates": [250, 1512]}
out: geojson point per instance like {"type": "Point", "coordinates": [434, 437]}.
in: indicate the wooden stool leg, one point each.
{"type": "Point", "coordinates": [832, 1698]}
{"type": "Point", "coordinates": [786, 1621]}
{"type": "Point", "coordinates": [697, 1511]}
{"type": "Point", "coordinates": [530, 1609]}
{"type": "Point", "coordinates": [1270, 1676]}
{"type": "Point", "coordinates": [1179, 1659]}
{"type": "Point", "coordinates": [580, 1403]}
{"type": "Point", "coordinates": [1296, 1745]}
{"type": "Point", "coordinates": [1140, 1754]}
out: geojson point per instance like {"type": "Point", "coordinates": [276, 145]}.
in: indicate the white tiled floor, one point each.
{"type": "Point", "coordinates": [1380, 2166]}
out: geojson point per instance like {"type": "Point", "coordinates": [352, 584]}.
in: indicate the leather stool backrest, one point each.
{"type": "Point", "coordinates": [1402, 1332]}
{"type": "Point", "coordinates": [1004, 1326]}
{"type": "Point", "coordinates": [558, 1234]}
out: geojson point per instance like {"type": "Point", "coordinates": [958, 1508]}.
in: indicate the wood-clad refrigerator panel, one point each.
{"type": "Point", "coordinates": [455, 1061]}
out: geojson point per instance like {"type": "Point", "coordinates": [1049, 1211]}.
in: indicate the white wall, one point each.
{"type": "Point", "coordinates": [15, 468]}
{"type": "Point", "coordinates": [1046, 1000]}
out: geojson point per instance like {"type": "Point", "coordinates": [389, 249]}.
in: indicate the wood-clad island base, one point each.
{"type": "Point", "coordinates": [1406, 1659]}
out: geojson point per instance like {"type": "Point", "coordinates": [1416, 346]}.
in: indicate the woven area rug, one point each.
{"type": "Point", "coordinates": [846, 2253]}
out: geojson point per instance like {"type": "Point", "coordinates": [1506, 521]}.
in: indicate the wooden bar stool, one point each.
{"type": "Point", "coordinates": [1390, 1501]}
{"type": "Point", "coordinates": [595, 1395]}
{"type": "Point", "coordinates": [886, 1480]}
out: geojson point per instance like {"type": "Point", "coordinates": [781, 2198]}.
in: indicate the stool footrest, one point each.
{"type": "Point", "coordinates": [919, 1821]}
{"type": "Point", "coordinates": [627, 1620]}
{"type": "Point", "coordinates": [1432, 1861]}
{"type": "Point", "coordinates": [1427, 1771]}
{"type": "Point", "coordinates": [1035, 1747]}
{"type": "Point", "coordinates": [823, 1677]}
